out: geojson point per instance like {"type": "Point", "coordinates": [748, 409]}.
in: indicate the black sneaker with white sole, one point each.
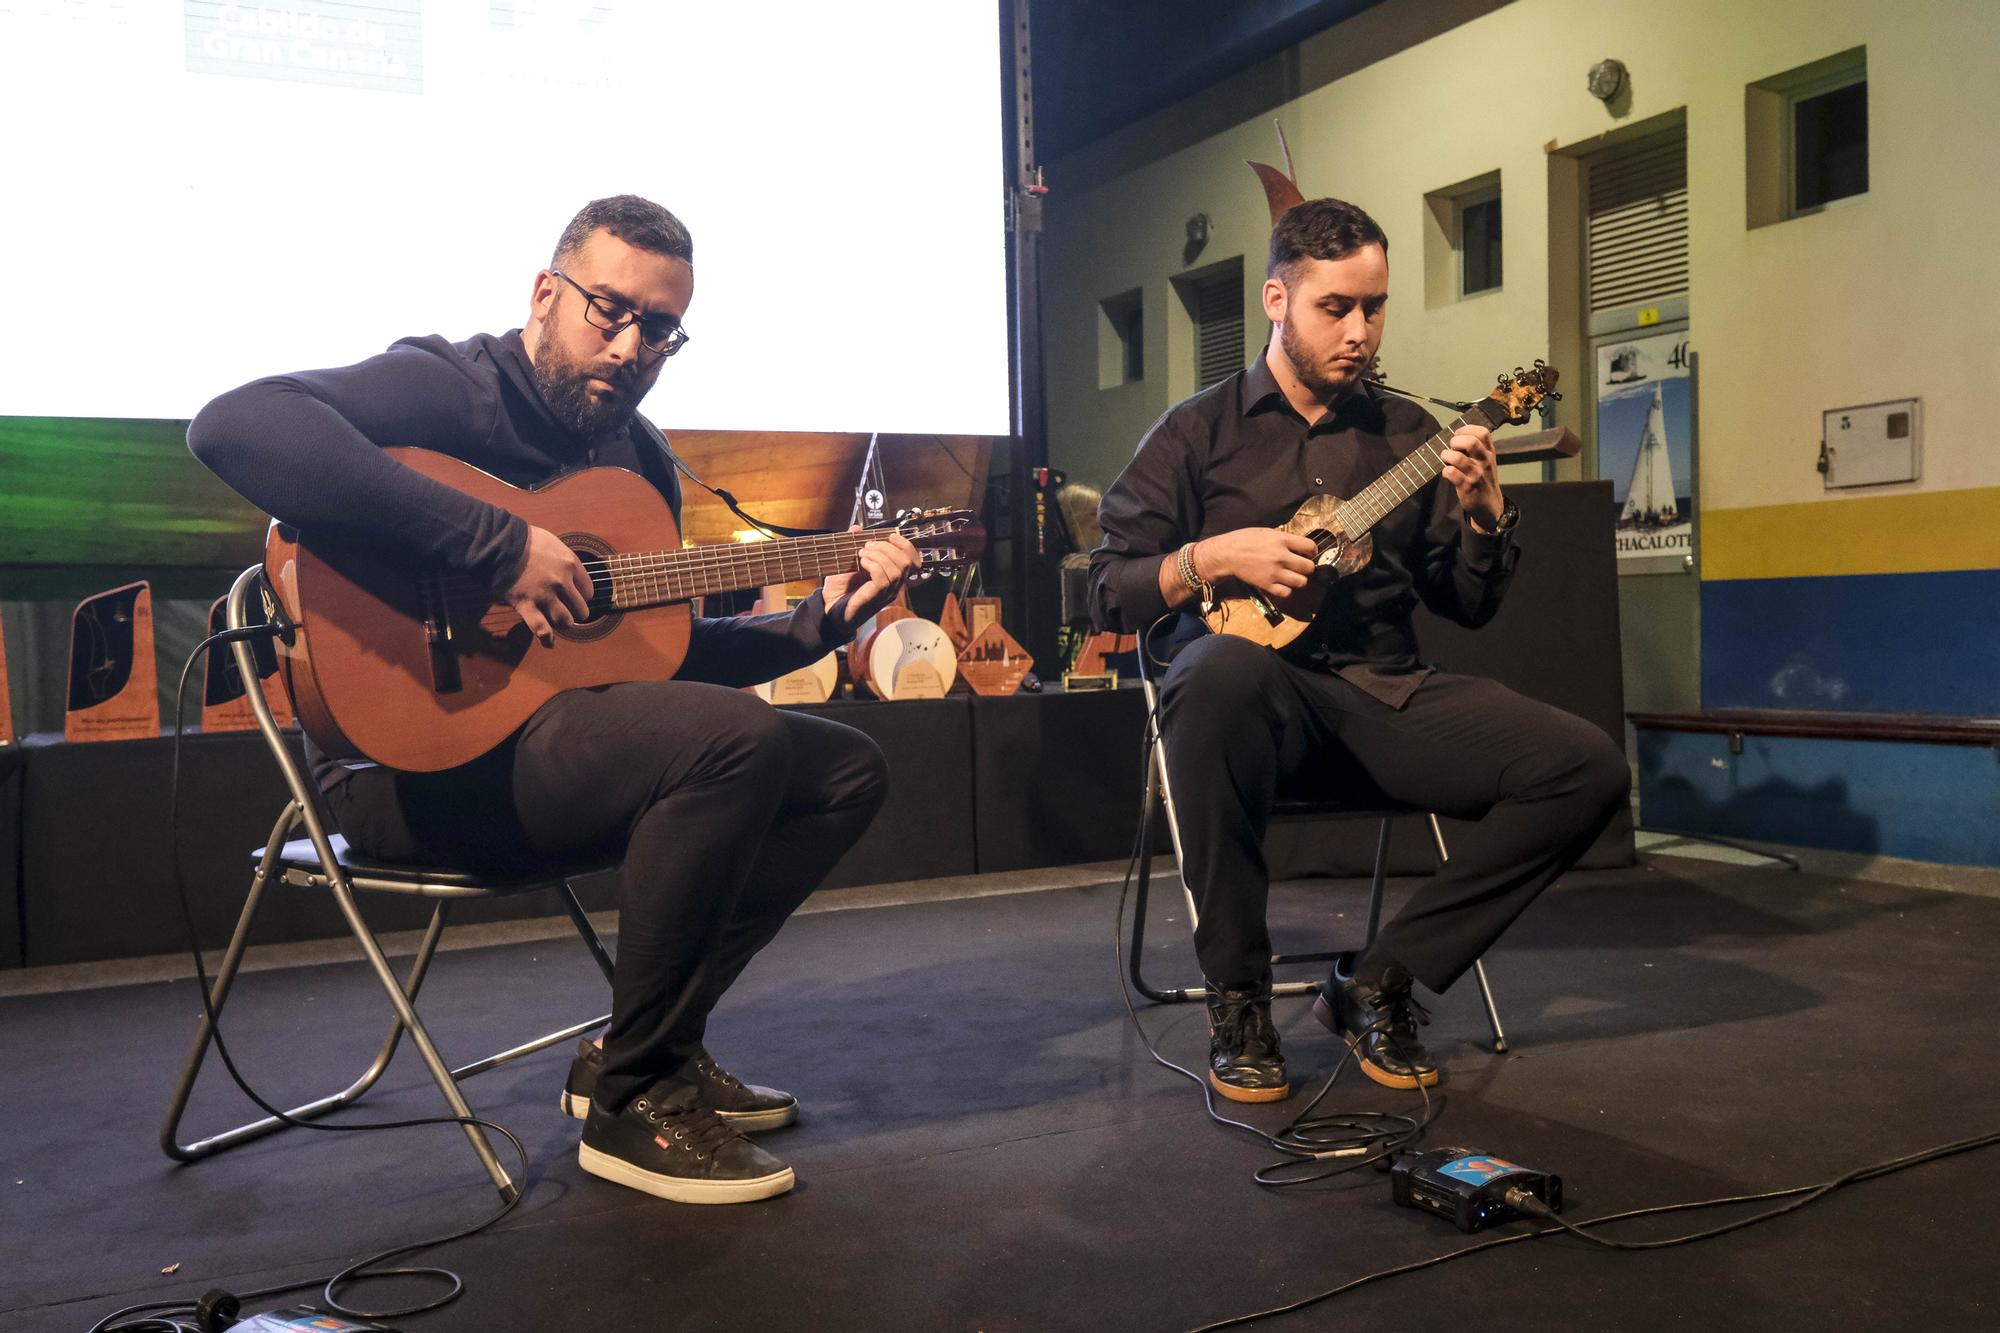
{"type": "Point", "coordinates": [666, 1143]}
{"type": "Point", "coordinates": [745, 1106]}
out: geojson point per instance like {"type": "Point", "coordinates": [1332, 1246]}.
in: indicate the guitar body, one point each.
{"type": "Point", "coordinates": [1276, 622]}
{"type": "Point", "coordinates": [422, 669]}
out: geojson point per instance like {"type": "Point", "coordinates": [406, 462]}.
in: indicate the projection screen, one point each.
{"type": "Point", "coordinates": [200, 192]}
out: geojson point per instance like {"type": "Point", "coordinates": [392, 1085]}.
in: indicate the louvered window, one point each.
{"type": "Point", "coordinates": [1216, 302]}
{"type": "Point", "coordinates": [1638, 225]}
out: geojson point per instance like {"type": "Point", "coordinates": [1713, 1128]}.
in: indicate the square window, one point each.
{"type": "Point", "coordinates": [1806, 138]}
{"type": "Point", "coordinates": [1462, 244]}
{"type": "Point", "coordinates": [1479, 245]}
{"type": "Point", "coordinates": [1121, 339]}
{"type": "Point", "coordinates": [1829, 146]}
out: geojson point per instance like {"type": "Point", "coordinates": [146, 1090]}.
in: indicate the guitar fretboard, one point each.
{"type": "Point", "coordinates": [650, 578]}
{"type": "Point", "coordinates": [1402, 481]}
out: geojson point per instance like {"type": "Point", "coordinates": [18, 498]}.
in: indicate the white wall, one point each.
{"type": "Point", "coordinates": [1887, 296]}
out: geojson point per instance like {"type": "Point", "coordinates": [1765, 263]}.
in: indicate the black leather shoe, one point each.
{"type": "Point", "coordinates": [1380, 1022]}
{"type": "Point", "coordinates": [666, 1143]}
{"type": "Point", "coordinates": [1244, 1062]}
{"type": "Point", "coordinates": [745, 1106]}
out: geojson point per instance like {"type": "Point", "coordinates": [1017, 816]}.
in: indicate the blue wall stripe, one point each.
{"type": "Point", "coordinates": [1920, 802]}
{"type": "Point", "coordinates": [1867, 643]}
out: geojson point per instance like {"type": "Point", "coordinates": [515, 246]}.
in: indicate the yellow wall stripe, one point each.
{"type": "Point", "coordinates": [1888, 534]}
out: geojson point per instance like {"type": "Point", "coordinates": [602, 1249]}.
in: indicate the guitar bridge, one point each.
{"type": "Point", "coordinates": [1271, 614]}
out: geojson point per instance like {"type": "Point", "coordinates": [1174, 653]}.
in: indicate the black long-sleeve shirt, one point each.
{"type": "Point", "coordinates": [307, 448]}
{"type": "Point", "coordinates": [1238, 455]}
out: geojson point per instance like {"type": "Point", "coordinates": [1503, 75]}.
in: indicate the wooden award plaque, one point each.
{"type": "Point", "coordinates": [808, 685]}
{"type": "Point", "coordinates": [1090, 661]}
{"type": "Point", "coordinates": [994, 663]}
{"type": "Point", "coordinates": [911, 659]}
{"type": "Point", "coordinates": [6, 701]}
{"type": "Point", "coordinates": [114, 692]}
{"type": "Point", "coordinates": [952, 621]}
{"type": "Point", "coordinates": [224, 705]}
{"type": "Point", "coordinates": [864, 642]}
{"type": "Point", "coordinates": [979, 613]}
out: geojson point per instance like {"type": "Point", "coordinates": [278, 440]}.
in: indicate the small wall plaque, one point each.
{"type": "Point", "coordinates": [979, 613]}
{"type": "Point", "coordinates": [911, 659]}
{"type": "Point", "coordinates": [224, 704]}
{"type": "Point", "coordinates": [993, 663]}
{"type": "Point", "coordinates": [808, 685]}
{"type": "Point", "coordinates": [6, 702]}
{"type": "Point", "coordinates": [114, 692]}
{"type": "Point", "coordinates": [952, 621]}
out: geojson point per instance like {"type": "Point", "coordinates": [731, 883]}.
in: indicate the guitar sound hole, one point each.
{"type": "Point", "coordinates": [596, 554]}
{"type": "Point", "coordinates": [1331, 546]}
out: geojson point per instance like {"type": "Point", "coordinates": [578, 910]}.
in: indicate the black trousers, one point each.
{"type": "Point", "coordinates": [1240, 722]}
{"type": "Point", "coordinates": [727, 813]}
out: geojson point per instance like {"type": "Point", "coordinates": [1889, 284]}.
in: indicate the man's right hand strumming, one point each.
{"type": "Point", "coordinates": [1264, 560]}
{"type": "Point", "coordinates": [552, 591]}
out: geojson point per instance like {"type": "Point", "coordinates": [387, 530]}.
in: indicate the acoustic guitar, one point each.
{"type": "Point", "coordinates": [422, 668]}
{"type": "Point", "coordinates": [1339, 529]}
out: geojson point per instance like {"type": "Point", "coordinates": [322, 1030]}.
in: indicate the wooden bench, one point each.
{"type": "Point", "coordinates": [1736, 723]}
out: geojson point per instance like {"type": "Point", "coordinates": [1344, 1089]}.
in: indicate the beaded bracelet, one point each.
{"type": "Point", "coordinates": [1201, 588]}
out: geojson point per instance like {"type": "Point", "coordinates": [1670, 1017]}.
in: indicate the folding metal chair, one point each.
{"type": "Point", "coordinates": [322, 860]}
{"type": "Point", "coordinates": [1159, 797]}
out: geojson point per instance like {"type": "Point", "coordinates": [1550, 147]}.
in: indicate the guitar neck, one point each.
{"type": "Point", "coordinates": [1405, 479]}
{"type": "Point", "coordinates": [653, 578]}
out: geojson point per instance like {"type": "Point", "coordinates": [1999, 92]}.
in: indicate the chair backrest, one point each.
{"type": "Point", "coordinates": [244, 609]}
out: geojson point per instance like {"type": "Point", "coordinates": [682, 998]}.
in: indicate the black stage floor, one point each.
{"type": "Point", "coordinates": [986, 1145]}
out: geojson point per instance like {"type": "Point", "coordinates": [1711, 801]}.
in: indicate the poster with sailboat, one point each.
{"type": "Point", "coordinates": [1644, 443]}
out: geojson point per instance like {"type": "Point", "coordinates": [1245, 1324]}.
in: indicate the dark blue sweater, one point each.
{"type": "Point", "coordinates": [306, 449]}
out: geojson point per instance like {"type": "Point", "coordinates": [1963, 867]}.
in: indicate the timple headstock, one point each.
{"type": "Point", "coordinates": [944, 538]}
{"type": "Point", "coordinates": [1523, 391]}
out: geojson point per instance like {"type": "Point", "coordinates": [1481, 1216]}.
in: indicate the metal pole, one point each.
{"type": "Point", "coordinates": [1032, 530]}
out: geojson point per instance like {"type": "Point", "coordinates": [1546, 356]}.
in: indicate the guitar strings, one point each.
{"type": "Point", "coordinates": [663, 565]}
{"type": "Point", "coordinates": [672, 575]}
{"type": "Point", "coordinates": [1433, 450]}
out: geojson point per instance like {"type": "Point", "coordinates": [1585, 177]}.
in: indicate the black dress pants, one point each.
{"type": "Point", "coordinates": [1240, 722]}
{"type": "Point", "coordinates": [726, 811]}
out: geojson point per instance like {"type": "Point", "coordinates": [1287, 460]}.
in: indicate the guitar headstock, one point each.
{"type": "Point", "coordinates": [944, 538]}
{"type": "Point", "coordinates": [1522, 392]}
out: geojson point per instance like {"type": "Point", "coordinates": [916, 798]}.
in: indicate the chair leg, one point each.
{"type": "Point", "coordinates": [1492, 1012]}
{"type": "Point", "coordinates": [218, 995]}
{"type": "Point", "coordinates": [1478, 964]}
{"type": "Point", "coordinates": [1141, 892]}
{"type": "Point", "coordinates": [1378, 883]}
{"type": "Point", "coordinates": [313, 1110]}
{"type": "Point", "coordinates": [591, 940]}
{"type": "Point", "coordinates": [420, 1037]}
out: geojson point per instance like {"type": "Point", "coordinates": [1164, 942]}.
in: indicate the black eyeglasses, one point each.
{"type": "Point", "coordinates": [661, 333]}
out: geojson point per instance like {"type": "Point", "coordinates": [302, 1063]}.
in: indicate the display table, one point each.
{"type": "Point", "coordinates": [975, 784]}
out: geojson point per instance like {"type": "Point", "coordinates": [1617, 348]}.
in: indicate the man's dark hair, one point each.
{"type": "Point", "coordinates": [1319, 229]}
{"type": "Point", "coordinates": [640, 223]}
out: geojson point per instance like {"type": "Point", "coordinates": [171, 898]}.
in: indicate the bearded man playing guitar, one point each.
{"type": "Point", "coordinates": [1195, 520]}
{"type": "Point", "coordinates": [727, 812]}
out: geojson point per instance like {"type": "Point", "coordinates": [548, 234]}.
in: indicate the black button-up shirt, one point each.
{"type": "Point", "coordinates": [1238, 455]}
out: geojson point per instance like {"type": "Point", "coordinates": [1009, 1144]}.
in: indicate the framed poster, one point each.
{"type": "Point", "coordinates": [1645, 445]}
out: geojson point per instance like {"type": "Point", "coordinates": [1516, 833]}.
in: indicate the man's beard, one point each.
{"type": "Point", "coordinates": [565, 386]}
{"type": "Point", "coordinates": [1306, 366]}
